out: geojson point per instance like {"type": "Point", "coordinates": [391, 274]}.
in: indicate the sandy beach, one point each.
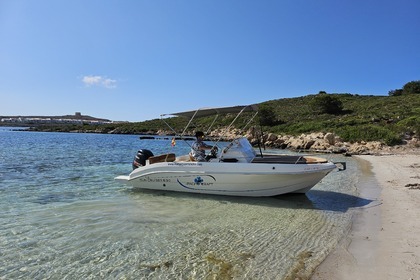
{"type": "Point", "coordinates": [384, 242]}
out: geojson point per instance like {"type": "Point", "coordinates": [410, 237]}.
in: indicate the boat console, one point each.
{"type": "Point", "coordinates": [239, 150]}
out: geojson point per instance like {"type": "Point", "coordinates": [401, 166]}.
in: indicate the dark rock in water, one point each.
{"type": "Point", "coordinates": [55, 197]}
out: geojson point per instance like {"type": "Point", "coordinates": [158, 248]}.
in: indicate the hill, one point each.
{"type": "Point", "coordinates": [361, 118]}
{"type": "Point", "coordinates": [389, 119]}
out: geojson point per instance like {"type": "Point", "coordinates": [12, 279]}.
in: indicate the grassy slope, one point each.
{"type": "Point", "coordinates": [368, 118]}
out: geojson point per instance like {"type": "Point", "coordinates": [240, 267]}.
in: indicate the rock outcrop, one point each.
{"type": "Point", "coordinates": [331, 143]}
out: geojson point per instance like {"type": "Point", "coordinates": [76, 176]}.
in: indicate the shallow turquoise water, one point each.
{"type": "Point", "coordinates": [64, 217]}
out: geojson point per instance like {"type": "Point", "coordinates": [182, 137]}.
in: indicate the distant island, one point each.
{"type": "Point", "coordinates": [77, 118]}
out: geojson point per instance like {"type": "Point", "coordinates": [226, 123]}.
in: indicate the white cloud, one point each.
{"type": "Point", "coordinates": [99, 81]}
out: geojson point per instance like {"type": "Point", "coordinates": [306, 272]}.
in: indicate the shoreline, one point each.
{"type": "Point", "coordinates": [384, 241]}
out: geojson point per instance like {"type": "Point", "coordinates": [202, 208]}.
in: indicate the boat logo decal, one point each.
{"type": "Point", "coordinates": [198, 180]}
{"type": "Point", "coordinates": [197, 183]}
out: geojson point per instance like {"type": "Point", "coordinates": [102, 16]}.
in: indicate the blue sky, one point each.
{"type": "Point", "coordinates": [134, 60]}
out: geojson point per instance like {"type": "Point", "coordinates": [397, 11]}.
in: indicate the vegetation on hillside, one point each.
{"type": "Point", "coordinates": [353, 117]}
{"type": "Point", "coordinates": [412, 87]}
{"type": "Point", "coordinates": [356, 117]}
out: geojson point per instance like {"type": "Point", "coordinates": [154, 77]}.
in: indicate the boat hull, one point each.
{"type": "Point", "coordinates": [238, 179]}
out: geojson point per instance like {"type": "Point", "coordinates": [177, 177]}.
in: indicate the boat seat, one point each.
{"type": "Point", "coordinates": [191, 158]}
{"type": "Point", "coordinates": [162, 158]}
{"type": "Point", "coordinates": [183, 158]}
{"type": "Point", "coordinates": [315, 160]}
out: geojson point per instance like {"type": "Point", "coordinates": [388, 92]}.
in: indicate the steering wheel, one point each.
{"type": "Point", "coordinates": [214, 151]}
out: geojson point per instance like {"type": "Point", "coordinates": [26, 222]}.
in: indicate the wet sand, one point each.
{"type": "Point", "coordinates": [384, 242]}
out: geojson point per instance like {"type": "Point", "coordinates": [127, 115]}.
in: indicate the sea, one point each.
{"type": "Point", "coordinates": [63, 216]}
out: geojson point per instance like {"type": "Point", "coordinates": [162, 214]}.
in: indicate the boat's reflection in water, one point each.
{"type": "Point", "coordinates": [314, 199]}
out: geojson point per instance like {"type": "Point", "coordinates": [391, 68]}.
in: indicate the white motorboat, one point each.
{"type": "Point", "coordinates": [237, 170]}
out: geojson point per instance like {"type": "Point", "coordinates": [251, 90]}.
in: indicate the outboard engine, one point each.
{"type": "Point", "coordinates": [141, 157]}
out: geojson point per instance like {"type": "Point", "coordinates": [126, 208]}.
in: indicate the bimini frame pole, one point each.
{"type": "Point", "coordinates": [234, 120]}
{"type": "Point", "coordinates": [188, 124]}
{"type": "Point", "coordinates": [186, 127]}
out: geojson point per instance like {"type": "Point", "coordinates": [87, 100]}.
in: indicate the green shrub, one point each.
{"type": "Point", "coordinates": [267, 115]}
{"type": "Point", "coordinates": [411, 124]}
{"type": "Point", "coordinates": [412, 87]}
{"type": "Point", "coordinates": [324, 103]}
{"type": "Point", "coordinates": [369, 133]}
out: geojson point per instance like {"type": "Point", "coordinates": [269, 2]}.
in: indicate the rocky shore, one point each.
{"type": "Point", "coordinates": [331, 143]}
{"type": "Point", "coordinates": [327, 143]}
